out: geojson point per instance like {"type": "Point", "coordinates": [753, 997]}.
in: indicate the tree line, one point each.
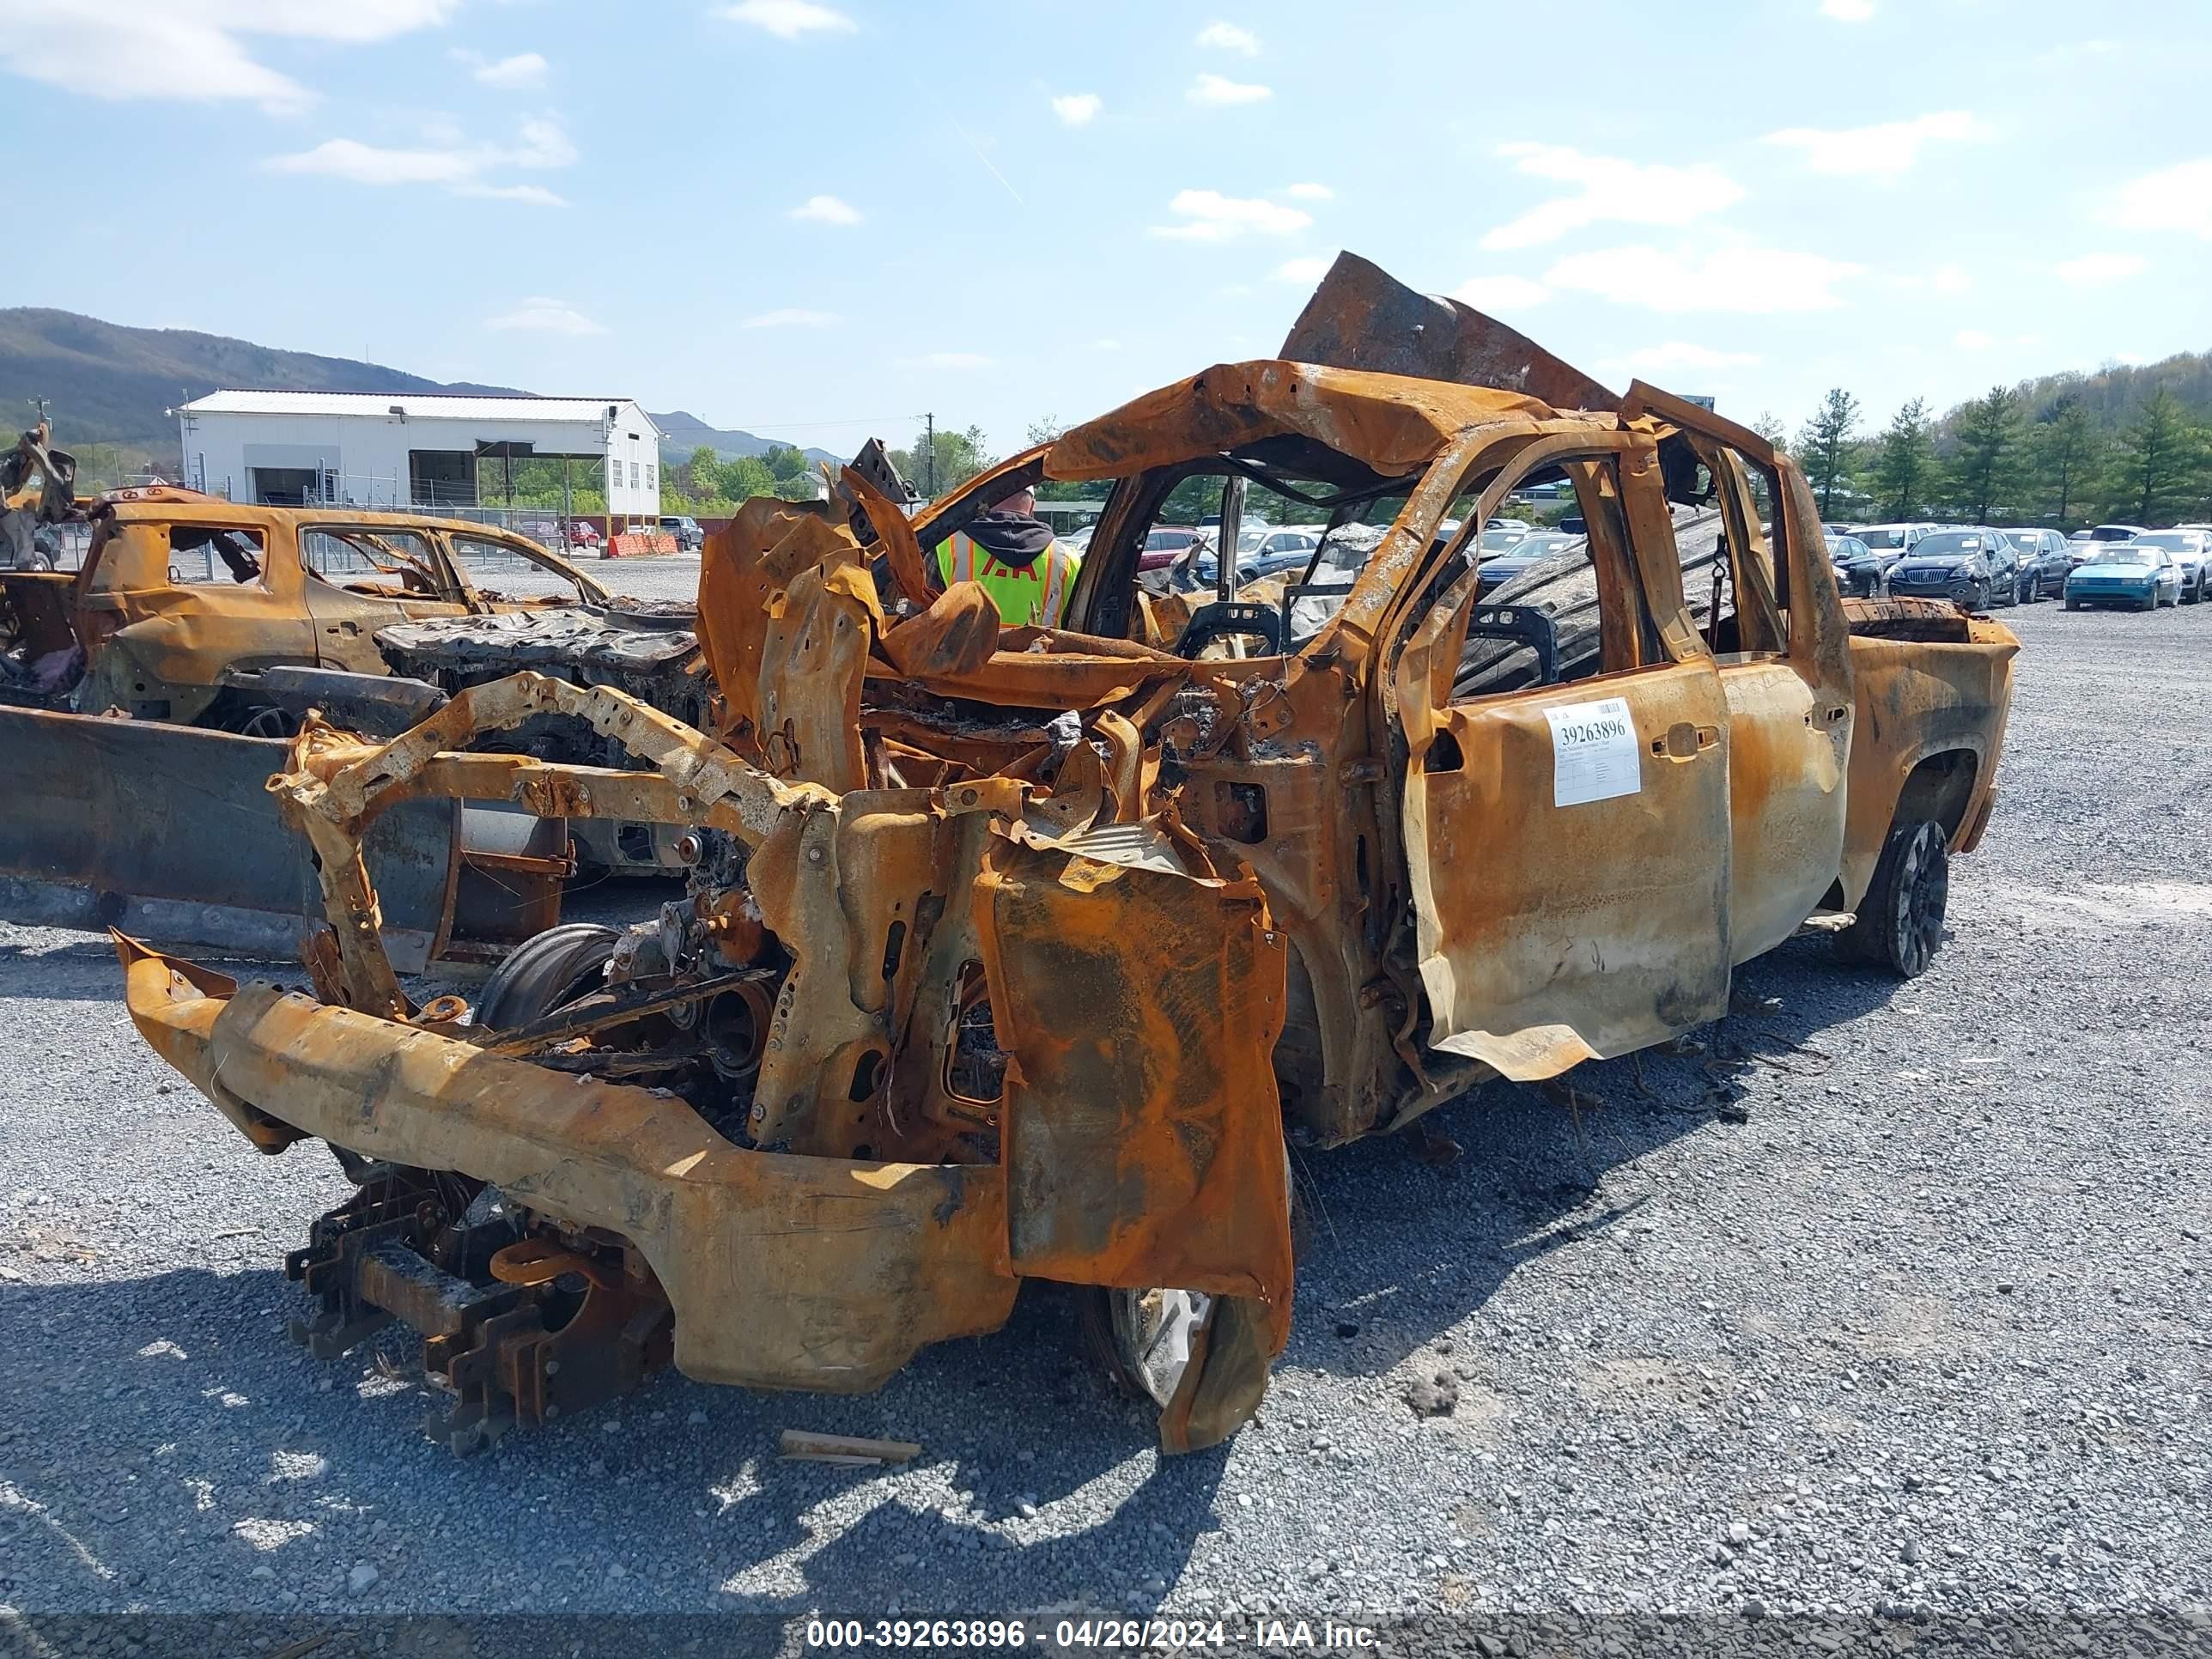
{"type": "Point", "coordinates": [2050, 453]}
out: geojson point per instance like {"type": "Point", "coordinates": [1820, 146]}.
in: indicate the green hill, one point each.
{"type": "Point", "coordinates": [105, 383]}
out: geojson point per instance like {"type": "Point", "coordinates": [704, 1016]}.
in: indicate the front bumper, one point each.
{"type": "Point", "coordinates": [2112, 592]}
{"type": "Point", "coordinates": [1939, 587]}
{"type": "Point", "coordinates": [782, 1272]}
{"type": "Point", "coordinates": [779, 1271]}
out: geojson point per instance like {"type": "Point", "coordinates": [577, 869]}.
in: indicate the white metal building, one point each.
{"type": "Point", "coordinates": [374, 449]}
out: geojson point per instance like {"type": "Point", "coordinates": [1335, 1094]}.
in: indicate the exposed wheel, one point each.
{"type": "Point", "coordinates": [1142, 1338]}
{"type": "Point", "coordinates": [1900, 921]}
{"type": "Point", "coordinates": [1978, 596]}
{"type": "Point", "coordinates": [540, 973]}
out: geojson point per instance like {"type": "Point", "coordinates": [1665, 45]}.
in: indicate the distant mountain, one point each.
{"type": "Point", "coordinates": [105, 383]}
{"type": "Point", "coordinates": [682, 432]}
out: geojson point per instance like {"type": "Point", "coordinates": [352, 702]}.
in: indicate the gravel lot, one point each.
{"type": "Point", "coordinates": [1888, 1298]}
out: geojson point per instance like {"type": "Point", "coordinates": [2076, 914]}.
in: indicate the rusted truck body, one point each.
{"type": "Point", "coordinates": [1016, 954]}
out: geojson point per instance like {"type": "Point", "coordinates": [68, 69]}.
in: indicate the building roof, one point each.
{"type": "Point", "coordinates": [416, 405]}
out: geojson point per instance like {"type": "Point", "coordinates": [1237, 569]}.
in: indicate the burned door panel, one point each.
{"type": "Point", "coordinates": [1554, 929]}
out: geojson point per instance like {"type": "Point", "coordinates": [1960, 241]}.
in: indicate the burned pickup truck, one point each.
{"type": "Point", "coordinates": [1020, 953]}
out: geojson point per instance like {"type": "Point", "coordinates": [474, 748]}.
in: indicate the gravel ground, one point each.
{"type": "Point", "coordinates": [1891, 1298]}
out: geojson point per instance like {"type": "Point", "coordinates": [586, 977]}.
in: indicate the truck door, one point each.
{"type": "Point", "coordinates": [1565, 811]}
{"type": "Point", "coordinates": [1784, 667]}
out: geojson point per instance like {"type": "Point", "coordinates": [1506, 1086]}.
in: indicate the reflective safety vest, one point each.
{"type": "Point", "coordinates": [1032, 595]}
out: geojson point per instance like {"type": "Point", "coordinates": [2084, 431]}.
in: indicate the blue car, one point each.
{"type": "Point", "coordinates": [2129, 574]}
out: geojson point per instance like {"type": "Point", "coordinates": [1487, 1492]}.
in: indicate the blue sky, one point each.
{"type": "Point", "coordinates": [818, 218]}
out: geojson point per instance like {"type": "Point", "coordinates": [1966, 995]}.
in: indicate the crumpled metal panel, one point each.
{"type": "Point", "coordinates": [556, 639]}
{"type": "Point", "coordinates": [1143, 1146]}
{"type": "Point", "coordinates": [1390, 423]}
{"type": "Point", "coordinates": [1362, 317]}
{"type": "Point", "coordinates": [784, 1272]}
{"type": "Point", "coordinates": [172, 831]}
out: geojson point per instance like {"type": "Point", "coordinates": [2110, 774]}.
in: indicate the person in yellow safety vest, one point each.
{"type": "Point", "coordinates": [1011, 552]}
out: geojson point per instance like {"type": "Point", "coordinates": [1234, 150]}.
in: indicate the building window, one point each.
{"type": "Point", "coordinates": [632, 475]}
{"type": "Point", "coordinates": [652, 476]}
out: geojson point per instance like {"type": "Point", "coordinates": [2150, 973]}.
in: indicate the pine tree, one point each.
{"type": "Point", "coordinates": [1988, 435]}
{"type": "Point", "coordinates": [1826, 445]}
{"type": "Point", "coordinates": [2157, 464]}
{"type": "Point", "coordinates": [1906, 464]}
{"type": "Point", "coordinates": [2068, 452]}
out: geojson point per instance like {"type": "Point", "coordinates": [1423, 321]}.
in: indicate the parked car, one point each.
{"type": "Point", "coordinates": [1164, 543]}
{"type": "Point", "coordinates": [1859, 568]}
{"type": "Point", "coordinates": [689, 538]}
{"type": "Point", "coordinates": [2117, 532]}
{"type": "Point", "coordinates": [1976, 567]}
{"type": "Point", "coordinates": [2126, 574]}
{"type": "Point", "coordinates": [2192, 553]}
{"type": "Point", "coordinates": [1261, 551]}
{"type": "Point", "coordinates": [1501, 567]}
{"type": "Point", "coordinates": [583, 533]}
{"type": "Point", "coordinates": [2044, 562]}
{"type": "Point", "coordinates": [1896, 539]}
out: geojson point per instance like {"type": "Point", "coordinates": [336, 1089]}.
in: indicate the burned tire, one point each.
{"type": "Point", "coordinates": [1141, 1338]}
{"type": "Point", "coordinates": [1900, 921]}
{"type": "Point", "coordinates": [540, 973]}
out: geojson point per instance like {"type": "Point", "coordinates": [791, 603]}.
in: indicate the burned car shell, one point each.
{"type": "Point", "coordinates": [157, 646]}
{"type": "Point", "coordinates": [1205, 903]}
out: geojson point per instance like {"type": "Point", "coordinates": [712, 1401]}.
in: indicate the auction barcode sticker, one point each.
{"type": "Point", "coordinates": [1595, 753]}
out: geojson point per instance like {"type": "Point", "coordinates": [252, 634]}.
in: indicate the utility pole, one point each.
{"type": "Point", "coordinates": [929, 443]}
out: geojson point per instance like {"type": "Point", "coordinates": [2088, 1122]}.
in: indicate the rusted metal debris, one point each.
{"type": "Point", "coordinates": [232, 621]}
{"type": "Point", "coordinates": [1018, 953]}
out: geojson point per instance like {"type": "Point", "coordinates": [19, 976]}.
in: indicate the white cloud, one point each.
{"type": "Point", "coordinates": [449, 160]}
{"type": "Point", "coordinates": [1888, 150]}
{"type": "Point", "coordinates": [1209, 216]}
{"type": "Point", "coordinates": [1219, 92]}
{"type": "Point", "coordinates": [788, 20]}
{"type": "Point", "coordinates": [1076, 109]}
{"type": "Point", "coordinates": [1495, 294]}
{"type": "Point", "coordinates": [1742, 279]}
{"type": "Point", "coordinates": [1951, 279]}
{"type": "Point", "coordinates": [519, 73]}
{"type": "Point", "coordinates": [1631, 192]}
{"type": "Point", "coordinates": [1847, 11]}
{"type": "Point", "coordinates": [542, 315]}
{"type": "Point", "coordinates": [829, 210]}
{"type": "Point", "coordinates": [791, 317]}
{"type": "Point", "coordinates": [190, 51]}
{"type": "Point", "coordinates": [1227, 37]}
{"type": "Point", "coordinates": [2176, 199]}
{"type": "Point", "coordinates": [1308, 268]}
{"type": "Point", "coordinates": [946, 360]}
{"type": "Point", "coordinates": [1676, 354]}
{"type": "Point", "coordinates": [1972, 339]}
{"type": "Point", "coordinates": [1309, 192]}
{"type": "Point", "coordinates": [2096, 270]}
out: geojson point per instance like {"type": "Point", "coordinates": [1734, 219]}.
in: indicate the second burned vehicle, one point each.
{"type": "Point", "coordinates": [1019, 953]}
